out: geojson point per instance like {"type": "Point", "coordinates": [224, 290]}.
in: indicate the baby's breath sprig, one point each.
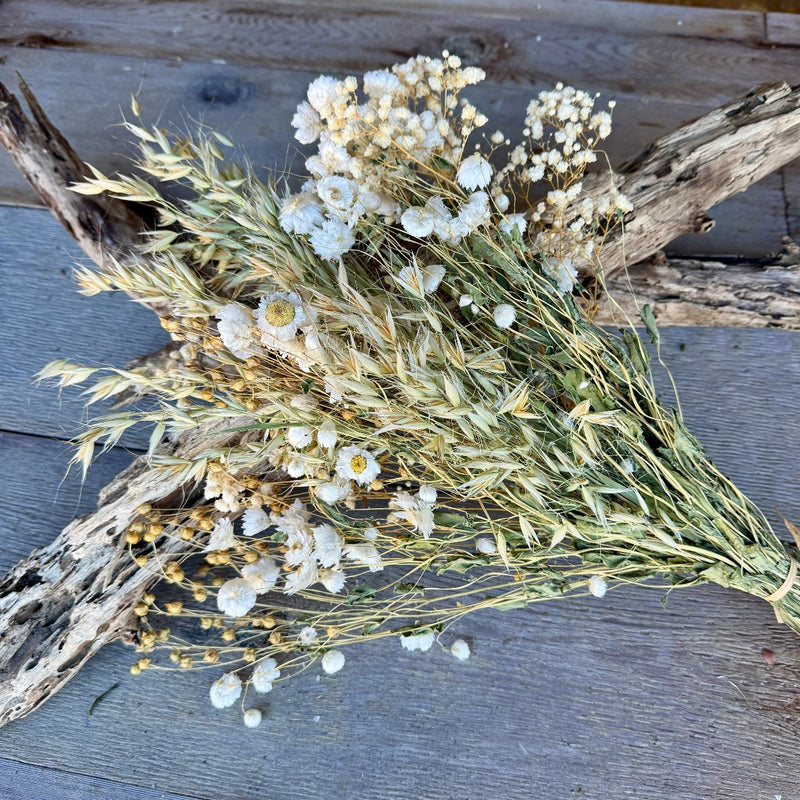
{"type": "Point", "coordinates": [427, 421]}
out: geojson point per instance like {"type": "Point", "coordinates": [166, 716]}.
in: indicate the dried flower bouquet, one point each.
{"type": "Point", "coordinates": [427, 420]}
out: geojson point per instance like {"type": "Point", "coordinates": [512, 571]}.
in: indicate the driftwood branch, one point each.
{"type": "Point", "coordinates": [706, 292]}
{"type": "Point", "coordinates": [675, 181]}
{"type": "Point", "coordinates": [62, 603]}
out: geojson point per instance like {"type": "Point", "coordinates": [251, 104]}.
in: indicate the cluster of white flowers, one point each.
{"type": "Point", "coordinates": [315, 552]}
{"type": "Point", "coordinates": [403, 117]}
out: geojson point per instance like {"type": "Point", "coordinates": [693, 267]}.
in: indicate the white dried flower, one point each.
{"type": "Point", "coordinates": [418, 641]}
{"type": "Point", "coordinates": [307, 122]}
{"type": "Point", "coordinates": [332, 579]}
{"type": "Point", "coordinates": [307, 635]}
{"type": "Point", "coordinates": [513, 221]}
{"type": "Point", "coordinates": [236, 597]}
{"type": "Point", "coordinates": [328, 545]}
{"type": "Point", "coordinates": [486, 546]}
{"type": "Point", "coordinates": [475, 172]}
{"type": "Point", "coordinates": [427, 494]}
{"type": "Point", "coordinates": [332, 239]}
{"type": "Point", "coordinates": [563, 272]}
{"type": "Point", "coordinates": [300, 213]}
{"type": "Point", "coordinates": [252, 718]}
{"type": "Point", "coordinates": [332, 661]}
{"type": "Point", "coordinates": [265, 674]}
{"type": "Point", "coordinates": [421, 280]}
{"type": "Point", "coordinates": [332, 492]}
{"type": "Point", "coordinates": [254, 521]}
{"type": "Point", "coordinates": [222, 537]}
{"type": "Point", "coordinates": [262, 575]}
{"type": "Point", "coordinates": [302, 578]}
{"type": "Point", "coordinates": [417, 222]}
{"type": "Point", "coordinates": [460, 649]}
{"type": "Point", "coordinates": [299, 436]}
{"type": "Point", "coordinates": [225, 691]}
{"type": "Point", "coordinates": [280, 314]}
{"type": "Point", "coordinates": [326, 435]}
{"type": "Point", "coordinates": [322, 93]}
{"type": "Point", "coordinates": [380, 83]}
{"type": "Point", "coordinates": [336, 192]}
{"type": "Point", "coordinates": [235, 325]}
{"type": "Point", "coordinates": [365, 553]}
{"type": "Point", "coordinates": [504, 315]}
{"type": "Point", "coordinates": [597, 586]}
{"type": "Point", "coordinates": [356, 464]}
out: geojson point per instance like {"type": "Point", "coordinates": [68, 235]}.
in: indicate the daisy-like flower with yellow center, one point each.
{"type": "Point", "coordinates": [357, 464]}
{"type": "Point", "coordinates": [280, 314]}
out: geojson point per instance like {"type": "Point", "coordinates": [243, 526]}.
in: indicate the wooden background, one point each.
{"type": "Point", "coordinates": [625, 697]}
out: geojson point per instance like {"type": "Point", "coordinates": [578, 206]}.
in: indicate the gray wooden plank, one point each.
{"type": "Point", "coordinates": [39, 498]}
{"type": "Point", "coordinates": [622, 697]}
{"type": "Point", "coordinates": [44, 318]}
{"type": "Point", "coordinates": [783, 28]}
{"type": "Point", "coordinates": [651, 59]}
{"type": "Point", "coordinates": [20, 781]}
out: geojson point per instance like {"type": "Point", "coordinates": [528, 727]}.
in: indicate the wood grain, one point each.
{"type": "Point", "coordinates": [518, 50]}
{"type": "Point", "coordinates": [44, 318]}
{"type": "Point", "coordinates": [19, 781]}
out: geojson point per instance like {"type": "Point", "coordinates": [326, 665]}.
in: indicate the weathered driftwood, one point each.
{"type": "Point", "coordinates": [62, 603]}
{"type": "Point", "coordinates": [677, 178]}
{"type": "Point", "coordinates": [706, 292]}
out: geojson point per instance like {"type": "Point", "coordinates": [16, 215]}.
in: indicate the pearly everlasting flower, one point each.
{"type": "Point", "coordinates": [235, 327]}
{"type": "Point", "coordinates": [332, 579]}
{"type": "Point", "coordinates": [299, 546]}
{"type": "Point", "coordinates": [464, 300]}
{"type": "Point", "coordinates": [302, 578]}
{"type": "Point", "coordinates": [332, 239]}
{"type": "Point", "coordinates": [356, 464]}
{"type": "Point", "coordinates": [326, 435]}
{"type": "Point", "coordinates": [475, 212]}
{"type": "Point", "coordinates": [300, 213]}
{"type": "Point", "coordinates": [254, 521]}
{"type": "Point", "coordinates": [432, 276]}
{"type": "Point", "coordinates": [307, 123]}
{"type": "Point", "coordinates": [332, 492]}
{"type": "Point", "coordinates": [328, 545]}
{"type": "Point", "coordinates": [418, 641]}
{"type": "Point", "coordinates": [307, 635]}
{"type": "Point", "coordinates": [486, 546]}
{"type": "Point", "coordinates": [417, 222]}
{"type": "Point", "coordinates": [597, 586]}
{"type": "Point", "coordinates": [475, 172]}
{"type": "Point", "coordinates": [252, 718]}
{"type": "Point", "coordinates": [299, 436]}
{"type": "Point", "coordinates": [421, 280]}
{"type": "Point", "coordinates": [262, 575]}
{"type": "Point", "coordinates": [222, 537]}
{"type": "Point", "coordinates": [265, 674]}
{"type": "Point", "coordinates": [563, 273]}
{"type": "Point", "coordinates": [322, 93]}
{"type": "Point", "coordinates": [514, 221]}
{"type": "Point", "coordinates": [225, 691]}
{"type": "Point", "coordinates": [504, 315]}
{"type": "Point", "coordinates": [236, 597]}
{"type": "Point", "coordinates": [332, 661]}
{"type": "Point", "coordinates": [336, 192]}
{"type": "Point", "coordinates": [365, 553]}
{"type": "Point", "coordinates": [415, 511]}
{"type": "Point", "coordinates": [380, 83]}
{"type": "Point", "coordinates": [460, 649]}
{"type": "Point", "coordinates": [427, 494]}
{"type": "Point", "coordinates": [280, 314]}
{"type": "Point", "coordinates": [296, 468]}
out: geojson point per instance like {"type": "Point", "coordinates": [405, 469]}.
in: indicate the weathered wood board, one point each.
{"type": "Point", "coordinates": [582, 698]}
{"type": "Point", "coordinates": [623, 697]}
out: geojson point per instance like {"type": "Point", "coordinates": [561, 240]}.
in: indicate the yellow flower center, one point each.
{"type": "Point", "coordinates": [279, 313]}
{"type": "Point", "coordinates": [358, 464]}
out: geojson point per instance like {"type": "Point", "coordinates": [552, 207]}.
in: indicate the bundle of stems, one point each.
{"type": "Point", "coordinates": [429, 423]}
